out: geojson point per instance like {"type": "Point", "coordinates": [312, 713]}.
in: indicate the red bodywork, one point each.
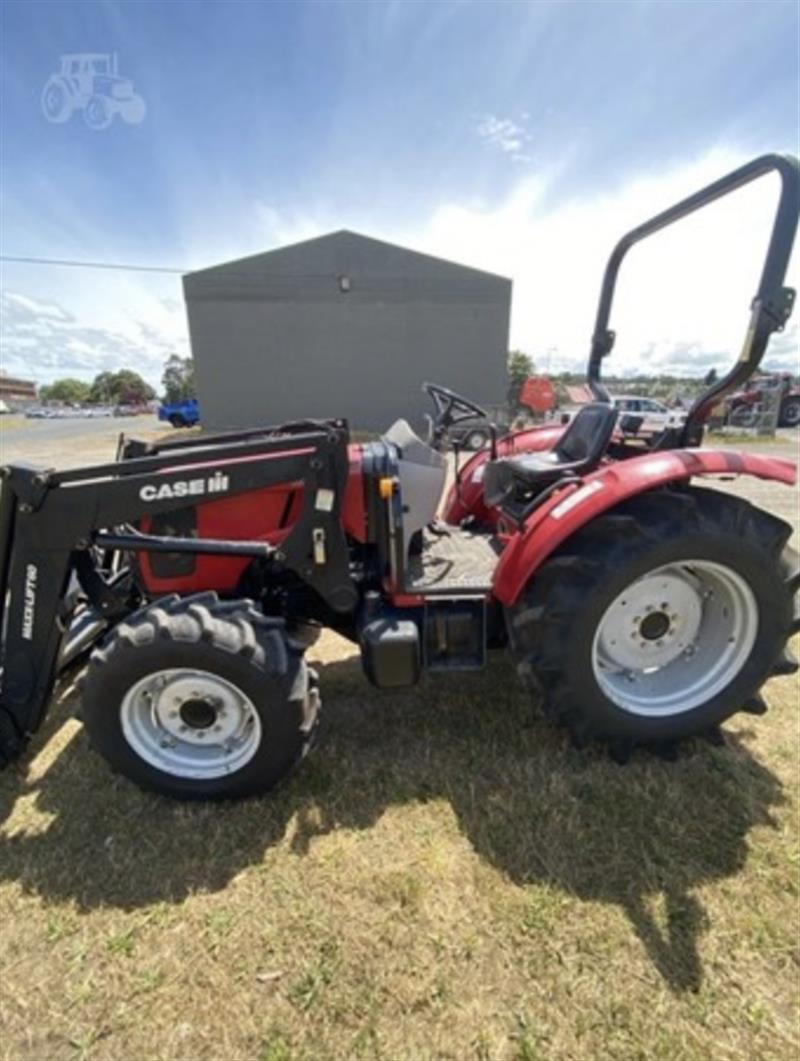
{"type": "Point", "coordinates": [269, 514]}
{"type": "Point", "coordinates": [264, 515]}
{"type": "Point", "coordinates": [572, 507]}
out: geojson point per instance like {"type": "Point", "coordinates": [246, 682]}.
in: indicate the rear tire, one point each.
{"type": "Point", "coordinates": [790, 412]}
{"type": "Point", "coordinates": [200, 699]}
{"type": "Point", "coordinates": [580, 645]}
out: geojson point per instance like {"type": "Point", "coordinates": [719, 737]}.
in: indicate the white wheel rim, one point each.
{"type": "Point", "coordinates": [675, 638]}
{"type": "Point", "coordinates": [190, 723]}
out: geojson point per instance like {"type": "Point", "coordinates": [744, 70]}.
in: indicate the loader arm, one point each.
{"type": "Point", "coordinates": [53, 526]}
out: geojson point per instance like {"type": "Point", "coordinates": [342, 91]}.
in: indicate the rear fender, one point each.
{"type": "Point", "coordinates": [574, 506]}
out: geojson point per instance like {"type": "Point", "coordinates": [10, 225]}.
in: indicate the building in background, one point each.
{"type": "Point", "coordinates": [16, 392]}
{"type": "Point", "coordinates": [343, 325]}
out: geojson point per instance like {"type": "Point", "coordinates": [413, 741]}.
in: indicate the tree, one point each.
{"type": "Point", "coordinates": [65, 390]}
{"type": "Point", "coordinates": [178, 378]}
{"type": "Point", "coordinates": [520, 367]}
{"type": "Point", "coordinates": [125, 387]}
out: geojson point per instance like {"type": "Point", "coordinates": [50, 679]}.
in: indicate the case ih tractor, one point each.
{"type": "Point", "coordinates": [641, 606]}
{"type": "Point", "coordinates": [744, 405]}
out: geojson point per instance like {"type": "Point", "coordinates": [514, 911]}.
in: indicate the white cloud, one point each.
{"type": "Point", "coordinates": [683, 296]}
{"type": "Point", "coordinates": [506, 135]}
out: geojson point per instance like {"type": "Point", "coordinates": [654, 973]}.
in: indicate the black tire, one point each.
{"type": "Point", "coordinates": [552, 627]}
{"type": "Point", "coordinates": [790, 412]}
{"type": "Point", "coordinates": [230, 640]}
{"type": "Point", "coordinates": [177, 420]}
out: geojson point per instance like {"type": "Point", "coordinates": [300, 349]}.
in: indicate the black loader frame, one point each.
{"type": "Point", "coordinates": [56, 526]}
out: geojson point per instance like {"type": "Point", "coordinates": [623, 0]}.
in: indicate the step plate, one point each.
{"type": "Point", "coordinates": [455, 562]}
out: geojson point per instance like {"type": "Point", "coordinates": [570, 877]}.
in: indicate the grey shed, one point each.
{"type": "Point", "coordinates": [342, 325]}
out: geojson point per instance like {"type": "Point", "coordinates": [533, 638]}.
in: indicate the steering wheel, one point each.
{"type": "Point", "coordinates": [451, 408]}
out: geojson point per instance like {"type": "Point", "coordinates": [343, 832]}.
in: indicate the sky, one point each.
{"type": "Point", "coordinates": [521, 138]}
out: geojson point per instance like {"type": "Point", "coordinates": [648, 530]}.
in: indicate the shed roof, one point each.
{"type": "Point", "coordinates": [343, 253]}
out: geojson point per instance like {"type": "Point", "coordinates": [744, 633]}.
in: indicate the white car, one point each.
{"type": "Point", "coordinates": [656, 416]}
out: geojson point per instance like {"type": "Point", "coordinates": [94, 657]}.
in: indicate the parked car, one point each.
{"type": "Point", "coordinates": [130, 409]}
{"type": "Point", "coordinates": [184, 413]}
{"type": "Point", "coordinates": [656, 416]}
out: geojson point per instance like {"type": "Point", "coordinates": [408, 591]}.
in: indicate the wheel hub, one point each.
{"type": "Point", "coordinates": [675, 637]}
{"type": "Point", "coordinates": [198, 714]}
{"type": "Point", "coordinates": [190, 723]}
{"type": "Point", "coordinates": [652, 621]}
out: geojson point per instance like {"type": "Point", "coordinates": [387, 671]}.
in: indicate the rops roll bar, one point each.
{"type": "Point", "coordinates": [770, 308]}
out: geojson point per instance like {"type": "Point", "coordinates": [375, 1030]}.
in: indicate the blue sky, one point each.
{"type": "Point", "coordinates": [468, 129]}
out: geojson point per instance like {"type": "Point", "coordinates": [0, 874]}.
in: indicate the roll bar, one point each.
{"type": "Point", "coordinates": [771, 307]}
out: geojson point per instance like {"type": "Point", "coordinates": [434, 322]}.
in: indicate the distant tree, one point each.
{"type": "Point", "coordinates": [710, 377]}
{"type": "Point", "coordinates": [178, 378]}
{"type": "Point", "coordinates": [125, 387]}
{"type": "Point", "coordinates": [520, 368]}
{"type": "Point", "coordinates": [65, 390]}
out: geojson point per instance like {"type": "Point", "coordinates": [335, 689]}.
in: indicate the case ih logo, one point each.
{"type": "Point", "coordinates": [29, 601]}
{"type": "Point", "coordinates": [217, 484]}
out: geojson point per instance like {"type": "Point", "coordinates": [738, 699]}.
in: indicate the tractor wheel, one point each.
{"type": "Point", "coordinates": [476, 440]}
{"type": "Point", "coordinates": [57, 104]}
{"type": "Point", "coordinates": [98, 113]}
{"type": "Point", "coordinates": [177, 420]}
{"type": "Point", "coordinates": [743, 416]}
{"type": "Point", "coordinates": [660, 619]}
{"type": "Point", "coordinates": [200, 699]}
{"type": "Point", "coordinates": [790, 412]}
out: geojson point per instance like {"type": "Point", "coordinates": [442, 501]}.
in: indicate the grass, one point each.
{"type": "Point", "coordinates": [445, 877]}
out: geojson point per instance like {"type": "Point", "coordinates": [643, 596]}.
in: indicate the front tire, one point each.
{"type": "Point", "coordinates": [177, 421]}
{"type": "Point", "coordinates": [660, 619]}
{"type": "Point", "coordinates": [200, 699]}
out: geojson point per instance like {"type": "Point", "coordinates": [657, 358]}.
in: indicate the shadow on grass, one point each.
{"type": "Point", "coordinates": [530, 805]}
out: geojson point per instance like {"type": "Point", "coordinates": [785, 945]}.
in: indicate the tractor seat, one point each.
{"type": "Point", "coordinates": [579, 450]}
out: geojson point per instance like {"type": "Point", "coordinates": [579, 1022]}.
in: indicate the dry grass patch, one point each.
{"type": "Point", "coordinates": [445, 877]}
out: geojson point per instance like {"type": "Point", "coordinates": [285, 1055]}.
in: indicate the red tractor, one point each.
{"type": "Point", "coordinates": [744, 405]}
{"type": "Point", "coordinates": [640, 606]}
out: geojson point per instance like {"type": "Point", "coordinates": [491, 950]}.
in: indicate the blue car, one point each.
{"type": "Point", "coordinates": [184, 413]}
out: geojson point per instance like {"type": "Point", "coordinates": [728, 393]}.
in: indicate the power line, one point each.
{"type": "Point", "coordinates": [92, 265]}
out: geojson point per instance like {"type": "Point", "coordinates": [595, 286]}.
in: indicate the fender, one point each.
{"type": "Point", "coordinates": [467, 498]}
{"type": "Point", "coordinates": [574, 506]}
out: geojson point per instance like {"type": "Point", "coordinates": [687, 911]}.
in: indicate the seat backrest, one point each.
{"type": "Point", "coordinates": [588, 434]}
